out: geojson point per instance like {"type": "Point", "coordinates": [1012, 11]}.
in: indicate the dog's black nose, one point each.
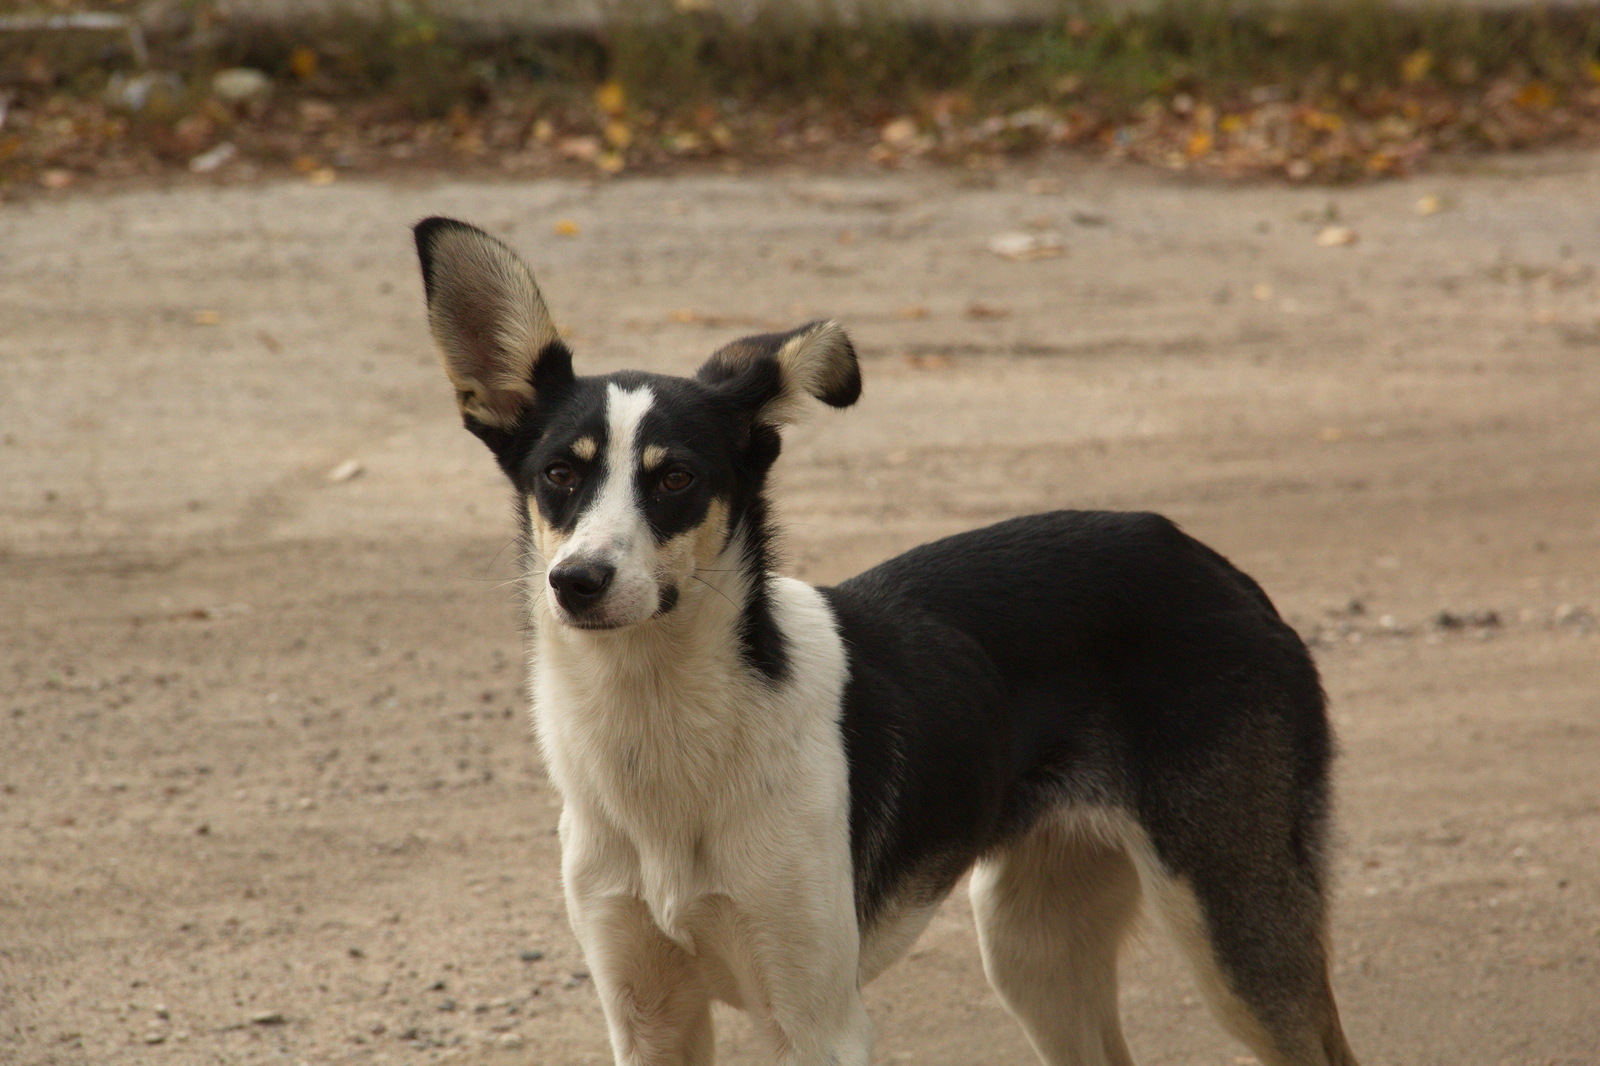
{"type": "Point", "coordinates": [580, 585]}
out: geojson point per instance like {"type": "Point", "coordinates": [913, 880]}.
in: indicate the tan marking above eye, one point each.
{"type": "Point", "coordinates": [585, 448]}
{"type": "Point", "coordinates": [654, 455]}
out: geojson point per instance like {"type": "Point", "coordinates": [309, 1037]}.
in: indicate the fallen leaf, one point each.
{"type": "Point", "coordinates": [982, 310]}
{"type": "Point", "coordinates": [1335, 236]}
{"type": "Point", "coordinates": [618, 134]}
{"type": "Point", "coordinates": [1416, 66]}
{"type": "Point", "coordinates": [1429, 205]}
{"type": "Point", "coordinates": [1535, 96]}
{"type": "Point", "coordinates": [566, 228]}
{"type": "Point", "coordinates": [207, 318]}
{"type": "Point", "coordinates": [305, 164]}
{"type": "Point", "coordinates": [610, 163]}
{"type": "Point", "coordinates": [303, 63]}
{"type": "Point", "coordinates": [913, 311]}
{"type": "Point", "coordinates": [611, 98]}
{"type": "Point", "coordinates": [322, 176]}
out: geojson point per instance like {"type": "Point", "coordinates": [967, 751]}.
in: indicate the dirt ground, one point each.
{"type": "Point", "coordinates": [267, 791]}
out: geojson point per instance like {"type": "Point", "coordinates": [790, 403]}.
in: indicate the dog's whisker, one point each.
{"type": "Point", "coordinates": [714, 588]}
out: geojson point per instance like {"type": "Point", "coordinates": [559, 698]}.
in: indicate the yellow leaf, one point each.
{"type": "Point", "coordinates": [1535, 96]}
{"type": "Point", "coordinates": [618, 135]}
{"type": "Point", "coordinates": [1199, 144]}
{"type": "Point", "coordinates": [1594, 71]}
{"type": "Point", "coordinates": [303, 62]}
{"type": "Point", "coordinates": [1416, 66]}
{"type": "Point", "coordinates": [566, 228]}
{"type": "Point", "coordinates": [611, 163]}
{"type": "Point", "coordinates": [305, 164]}
{"type": "Point", "coordinates": [1231, 123]}
{"type": "Point", "coordinates": [611, 98]}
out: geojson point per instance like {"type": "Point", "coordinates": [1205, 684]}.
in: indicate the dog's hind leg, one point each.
{"type": "Point", "coordinates": [1052, 911]}
{"type": "Point", "coordinates": [1247, 909]}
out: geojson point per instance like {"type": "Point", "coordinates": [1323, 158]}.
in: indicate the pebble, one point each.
{"type": "Point", "coordinates": [1467, 619]}
{"type": "Point", "coordinates": [530, 956]}
{"type": "Point", "coordinates": [268, 1017]}
{"type": "Point", "coordinates": [345, 470]}
{"type": "Point", "coordinates": [1335, 236]}
{"type": "Point", "coordinates": [1022, 247]}
{"type": "Point", "coordinates": [237, 85]}
{"type": "Point", "coordinates": [1569, 614]}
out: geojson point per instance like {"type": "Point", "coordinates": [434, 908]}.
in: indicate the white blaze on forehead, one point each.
{"type": "Point", "coordinates": [613, 525]}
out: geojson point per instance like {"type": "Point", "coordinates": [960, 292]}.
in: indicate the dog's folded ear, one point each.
{"type": "Point", "coordinates": [776, 371]}
{"type": "Point", "coordinates": [491, 325]}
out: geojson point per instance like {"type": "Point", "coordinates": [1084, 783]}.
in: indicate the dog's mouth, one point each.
{"type": "Point", "coordinates": [594, 627]}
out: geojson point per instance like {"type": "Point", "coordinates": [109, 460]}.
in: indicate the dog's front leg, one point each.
{"type": "Point", "coordinates": [807, 949]}
{"type": "Point", "coordinates": [657, 1008]}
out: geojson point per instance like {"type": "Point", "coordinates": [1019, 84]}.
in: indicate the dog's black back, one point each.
{"type": "Point", "coordinates": [1080, 657]}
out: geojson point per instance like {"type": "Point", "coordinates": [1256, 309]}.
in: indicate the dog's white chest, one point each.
{"type": "Point", "coordinates": [717, 802]}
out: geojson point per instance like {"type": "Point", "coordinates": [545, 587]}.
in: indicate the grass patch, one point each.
{"type": "Point", "coordinates": [1328, 89]}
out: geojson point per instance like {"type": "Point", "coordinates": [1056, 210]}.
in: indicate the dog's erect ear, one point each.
{"type": "Point", "coordinates": [490, 323]}
{"type": "Point", "coordinates": [780, 369]}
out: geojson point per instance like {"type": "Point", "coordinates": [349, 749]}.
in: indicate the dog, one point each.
{"type": "Point", "coordinates": [768, 788]}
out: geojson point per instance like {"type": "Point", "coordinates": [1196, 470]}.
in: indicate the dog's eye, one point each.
{"type": "Point", "coordinates": [561, 475]}
{"type": "Point", "coordinates": [676, 480]}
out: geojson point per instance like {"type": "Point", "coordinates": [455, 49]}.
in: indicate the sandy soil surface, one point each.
{"type": "Point", "coordinates": [267, 792]}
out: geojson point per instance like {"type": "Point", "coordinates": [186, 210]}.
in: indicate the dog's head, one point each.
{"type": "Point", "coordinates": [631, 483]}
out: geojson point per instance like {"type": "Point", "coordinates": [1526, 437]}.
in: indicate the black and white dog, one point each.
{"type": "Point", "coordinates": [768, 787]}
